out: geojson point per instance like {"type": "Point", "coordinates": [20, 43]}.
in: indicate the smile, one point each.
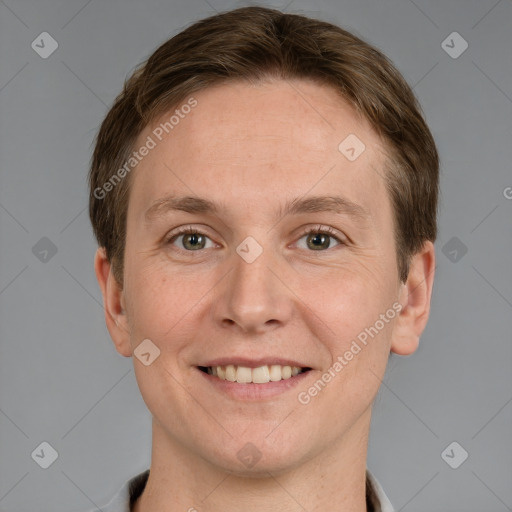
{"type": "Point", "coordinates": [260, 375]}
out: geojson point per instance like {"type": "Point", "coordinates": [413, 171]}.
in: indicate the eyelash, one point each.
{"type": "Point", "coordinates": [318, 229]}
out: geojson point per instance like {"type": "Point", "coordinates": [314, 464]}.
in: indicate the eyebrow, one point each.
{"type": "Point", "coordinates": [299, 205]}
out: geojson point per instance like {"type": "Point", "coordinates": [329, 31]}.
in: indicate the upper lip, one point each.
{"type": "Point", "coordinates": [253, 363]}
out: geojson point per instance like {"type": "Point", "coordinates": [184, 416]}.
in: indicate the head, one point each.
{"type": "Point", "coordinates": [249, 117]}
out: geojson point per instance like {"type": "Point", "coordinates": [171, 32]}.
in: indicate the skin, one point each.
{"type": "Point", "coordinates": [292, 301]}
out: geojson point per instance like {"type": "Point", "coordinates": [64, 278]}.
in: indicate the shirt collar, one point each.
{"type": "Point", "coordinates": [376, 499]}
{"type": "Point", "coordinates": [375, 495]}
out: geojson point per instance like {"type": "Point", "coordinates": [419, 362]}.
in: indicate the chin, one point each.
{"type": "Point", "coordinates": [256, 459]}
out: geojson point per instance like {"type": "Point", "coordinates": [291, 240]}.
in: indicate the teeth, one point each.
{"type": "Point", "coordinates": [260, 375]}
{"type": "Point", "coordinates": [230, 373]}
{"type": "Point", "coordinates": [275, 372]}
{"type": "Point", "coordinates": [243, 374]}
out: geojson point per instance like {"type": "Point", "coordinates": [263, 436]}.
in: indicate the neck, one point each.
{"type": "Point", "coordinates": [183, 480]}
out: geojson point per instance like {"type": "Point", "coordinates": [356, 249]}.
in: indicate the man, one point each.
{"type": "Point", "coordinates": [264, 195]}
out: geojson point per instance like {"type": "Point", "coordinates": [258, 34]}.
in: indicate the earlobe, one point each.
{"type": "Point", "coordinates": [415, 296]}
{"type": "Point", "coordinates": [113, 303]}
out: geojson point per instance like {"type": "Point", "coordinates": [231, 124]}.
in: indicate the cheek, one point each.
{"type": "Point", "coordinates": [356, 307]}
{"type": "Point", "coordinates": [353, 294]}
{"type": "Point", "coordinates": [158, 301]}
{"type": "Point", "coordinates": [358, 310]}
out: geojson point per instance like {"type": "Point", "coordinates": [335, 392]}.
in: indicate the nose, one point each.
{"type": "Point", "coordinates": [254, 297]}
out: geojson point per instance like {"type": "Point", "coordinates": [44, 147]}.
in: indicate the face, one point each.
{"type": "Point", "coordinates": [268, 275]}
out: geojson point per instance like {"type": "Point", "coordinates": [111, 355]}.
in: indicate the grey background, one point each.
{"type": "Point", "coordinates": [61, 380]}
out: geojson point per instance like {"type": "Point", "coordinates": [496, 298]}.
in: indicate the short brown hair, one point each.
{"type": "Point", "coordinates": [256, 43]}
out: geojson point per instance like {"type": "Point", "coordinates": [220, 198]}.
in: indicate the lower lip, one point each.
{"type": "Point", "coordinates": [252, 391]}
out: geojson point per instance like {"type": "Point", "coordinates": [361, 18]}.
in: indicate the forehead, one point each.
{"type": "Point", "coordinates": [240, 141]}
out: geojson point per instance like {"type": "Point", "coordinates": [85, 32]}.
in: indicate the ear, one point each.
{"type": "Point", "coordinates": [415, 296]}
{"type": "Point", "coordinates": [113, 304]}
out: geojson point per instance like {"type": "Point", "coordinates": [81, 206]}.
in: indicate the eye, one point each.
{"type": "Point", "coordinates": [192, 238]}
{"type": "Point", "coordinates": [319, 238]}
